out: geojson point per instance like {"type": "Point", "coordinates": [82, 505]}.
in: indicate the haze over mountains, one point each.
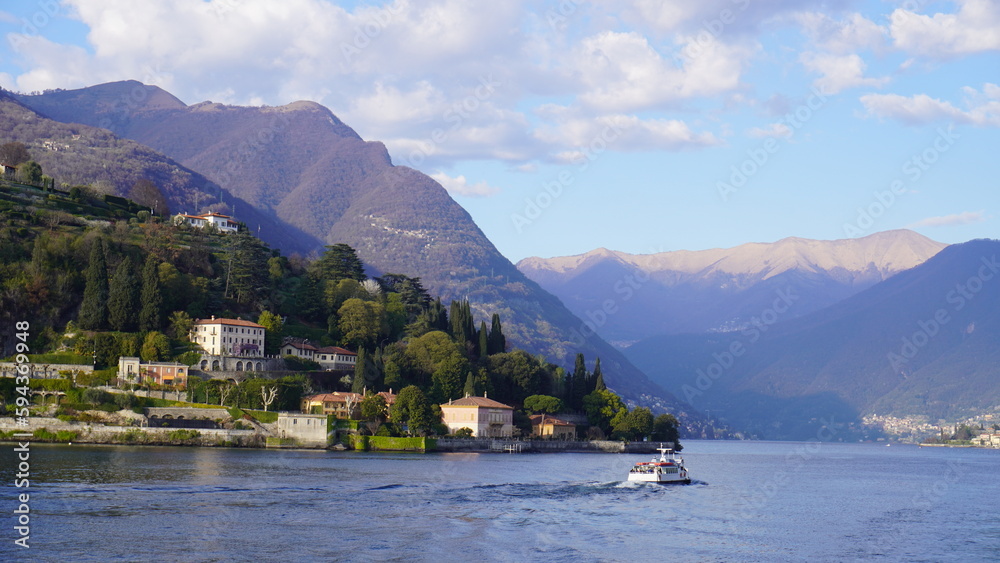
{"type": "Point", "coordinates": [720, 289]}
{"type": "Point", "coordinates": [925, 342]}
{"type": "Point", "coordinates": [308, 173]}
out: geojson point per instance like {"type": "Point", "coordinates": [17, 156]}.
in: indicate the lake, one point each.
{"type": "Point", "coordinates": [751, 501]}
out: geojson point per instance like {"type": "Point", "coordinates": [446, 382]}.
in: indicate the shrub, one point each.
{"type": "Point", "coordinates": [183, 435]}
{"type": "Point", "coordinates": [43, 435]}
{"type": "Point", "coordinates": [125, 401]}
{"type": "Point", "coordinates": [66, 435]}
{"type": "Point", "coordinates": [95, 396]}
{"type": "Point", "coordinates": [463, 433]}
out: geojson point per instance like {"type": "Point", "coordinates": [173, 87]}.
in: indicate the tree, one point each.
{"type": "Point", "coordinates": [484, 340]}
{"type": "Point", "coordinates": [267, 396]}
{"type": "Point", "coordinates": [180, 325]}
{"type": "Point", "coordinates": [145, 192]}
{"type": "Point", "coordinates": [580, 384]}
{"type": "Point", "coordinates": [123, 298]}
{"type": "Point", "coordinates": [30, 173]}
{"type": "Point", "coordinates": [602, 407]}
{"type": "Point", "coordinates": [412, 409]}
{"type": "Point", "coordinates": [497, 342]}
{"type": "Point", "coordinates": [598, 377]}
{"type": "Point", "coordinates": [155, 348]}
{"type": "Point", "coordinates": [636, 425]}
{"type": "Point", "coordinates": [361, 323]}
{"type": "Point", "coordinates": [338, 262]}
{"type": "Point", "coordinates": [273, 329]}
{"type": "Point", "coordinates": [446, 381]}
{"type": "Point", "coordinates": [373, 407]}
{"type": "Point", "coordinates": [94, 308]}
{"type": "Point", "coordinates": [665, 430]}
{"type": "Point", "coordinates": [151, 296]}
{"type": "Point", "coordinates": [470, 386]}
{"type": "Point", "coordinates": [14, 153]}
{"type": "Point", "coordinates": [360, 367]}
{"type": "Point", "coordinates": [543, 404]}
{"type": "Point", "coordinates": [247, 279]}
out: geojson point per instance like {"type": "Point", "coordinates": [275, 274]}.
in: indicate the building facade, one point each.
{"type": "Point", "coordinates": [547, 426]}
{"type": "Point", "coordinates": [336, 358]}
{"type": "Point", "coordinates": [485, 417]}
{"type": "Point", "coordinates": [229, 337]}
{"type": "Point", "coordinates": [134, 370]}
{"type": "Point", "coordinates": [223, 223]}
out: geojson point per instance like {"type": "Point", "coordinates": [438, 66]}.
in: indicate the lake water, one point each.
{"type": "Point", "coordinates": [751, 501]}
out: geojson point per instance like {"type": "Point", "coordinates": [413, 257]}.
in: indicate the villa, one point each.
{"type": "Point", "coordinates": [485, 417]}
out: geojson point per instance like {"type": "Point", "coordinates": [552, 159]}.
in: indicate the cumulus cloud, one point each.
{"type": "Point", "coordinates": [460, 186]}
{"type": "Point", "coordinates": [982, 107]}
{"type": "Point", "coordinates": [966, 218]}
{"type": "Point", "coordinates": [849, 35]}
{"type": "Point", "coordinates": [839, 72]}
{"type": "Point", "coordinates": [974, 28]}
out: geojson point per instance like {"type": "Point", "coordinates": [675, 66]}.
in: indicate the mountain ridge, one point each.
{"type": "Point", "coordinates": [301, 165]}
{"type": "Point", "coordinates": [719, 289]}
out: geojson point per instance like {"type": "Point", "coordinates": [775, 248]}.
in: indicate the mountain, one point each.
{"type": "Point", "coordinates": [82, 154]}
{"type": "Point", "coordinates": [720, 289]}
{"type": "Point", "coordinates": [300, 165]}
{"type": "Point", "coordinates": [925, 342]}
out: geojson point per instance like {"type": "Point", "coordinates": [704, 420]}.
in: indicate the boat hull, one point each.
{"type": "Point", "coordinates": [661, 479]}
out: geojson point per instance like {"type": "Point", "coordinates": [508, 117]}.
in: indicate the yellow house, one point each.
{"type": "Point", "coordinates": [547, 426]}
{"type": "Point", "coordinates": [485, 417]}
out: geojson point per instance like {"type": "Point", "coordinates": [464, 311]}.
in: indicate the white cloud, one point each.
{"type": "Point", "coordinates": [773, 130]}
{"type": "Point", "coordinates": [983, 107]}
{"type": "Point", "coordinates": [461, 186]}
{"type": "Point", "coordinates": [850, 35]}
{"type": "Point", "coordinates": [622, 71]}
{"type": "Point", "coordinates": [966, 218]}
{"type": "Point", "coordinates": [974, 28]}
{"type": "Point", "coordinates": [618, 132]}
{"type": "Point", "coordinates": [839, 72]}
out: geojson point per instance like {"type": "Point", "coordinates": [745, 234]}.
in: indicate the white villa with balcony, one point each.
{"type": "Point", "coordinates": [229, 337]}
{"type": "Point", "coordinates": [223, 223]}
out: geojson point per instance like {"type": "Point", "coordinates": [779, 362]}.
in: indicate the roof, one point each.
{"type": "Point", "coordinates": [336, 350]}
{"type": "Point", "coordinates": [549, 419]}
{"type": "Point", "coordinates": [214, 214]}
{"type": "Point", "coordinates": [300, 345]}
{"type": "Point", "coordinates": [335, 397]}
{"type": "Point", "coordinates": [231, 322]}
{"type": "Point", "coordinates": [476, 402]}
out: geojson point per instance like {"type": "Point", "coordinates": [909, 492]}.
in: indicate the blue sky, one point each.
{"type": "Point", "coordinates": [635, 125]}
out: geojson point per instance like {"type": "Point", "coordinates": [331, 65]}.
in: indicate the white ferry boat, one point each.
{"type": "Point", "coordinates": [668, 469]}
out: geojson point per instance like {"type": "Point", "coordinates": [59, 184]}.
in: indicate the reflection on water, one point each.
{"type": "Point", "coordinates": [749, 502]}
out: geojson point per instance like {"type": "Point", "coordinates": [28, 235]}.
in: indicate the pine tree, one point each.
{"type": "Point", "coordinates": [598, 377]}
{"type": "Point", "coordinates": [340, 261]}
{"type": "Point", "coordinates": [498, 342]}
{"type": "Point", "coordinates": [484, 340]}
{"type": "Point", "coordinates": [94, 308]}
{"type": "Point", "coordinates": [123, 298]}
{"type": "Point", "coordinates": [151, 297]}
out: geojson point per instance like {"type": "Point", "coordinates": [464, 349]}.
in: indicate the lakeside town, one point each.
{"type": "Point", "coordinates": [335, 358]}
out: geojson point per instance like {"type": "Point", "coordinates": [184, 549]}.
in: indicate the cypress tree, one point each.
{"type": "Point", "coordinates": [484, 340]}
{"type": "Point", "coordinates": [498, 342]}
{"type": "Point", "coordinates": [470, 387]}
{"type": "Point", "coordinates": [94, 308]}
{"type": "Point", "coordinates": [340, 261]}
{"type": "Point", "coordinates": [598, 377]}
{"type": "Point", "coordinates": [361, 365]}
{"type": "Point", "coordinates": [580, 386]}
{"type": "Point", "coordinates": [123, 298]}
{"type": "Point", "coordinates": [151, 296]}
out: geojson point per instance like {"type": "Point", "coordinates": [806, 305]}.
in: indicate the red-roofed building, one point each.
{"type": "Point", "coordinates": [335, 357]}
{"type": "Point", "coordinates": [548, 426]}
{"type": "Point", "coordinates": [485, 417]}
{"type": "Point", "coordinates": [299, 350]}
{"type": "Point", "coordinates": [229, 337]}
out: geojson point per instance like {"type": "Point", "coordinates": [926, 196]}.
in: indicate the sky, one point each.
{"type": "Point", "coordinates": [565, 126]}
